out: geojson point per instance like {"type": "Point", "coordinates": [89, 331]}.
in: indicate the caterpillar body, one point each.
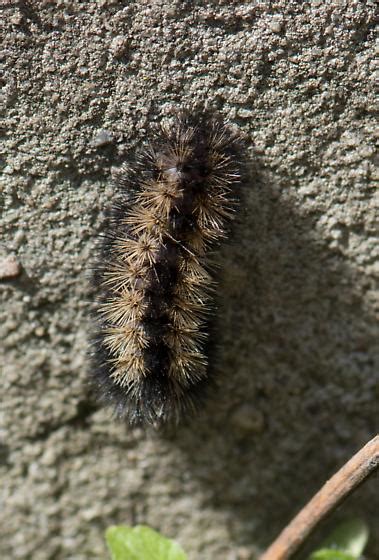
{"type": "Point", "coordinates": [154, 272]}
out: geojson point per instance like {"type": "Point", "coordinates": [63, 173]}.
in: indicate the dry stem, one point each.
{"type": "Point", "coordinates": [355, 471]}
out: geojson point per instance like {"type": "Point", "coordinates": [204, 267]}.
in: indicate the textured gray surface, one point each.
{"type": "Point", "coordinates": [297, 317]}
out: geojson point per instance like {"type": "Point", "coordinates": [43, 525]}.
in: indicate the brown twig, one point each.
{"type": "Point", "coordinates": [355, 471]}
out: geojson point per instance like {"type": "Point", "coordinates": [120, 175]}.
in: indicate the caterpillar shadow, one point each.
{"type": "Point", "coordinates": [297, 379]}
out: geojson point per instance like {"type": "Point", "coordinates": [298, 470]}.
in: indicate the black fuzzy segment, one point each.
{"type": "Point", "coordinates": [152, 276]}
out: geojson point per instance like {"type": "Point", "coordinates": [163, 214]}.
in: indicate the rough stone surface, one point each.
{"type": "Point", "coordinates": [297, 294]}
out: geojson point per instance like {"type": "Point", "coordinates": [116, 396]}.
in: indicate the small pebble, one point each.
{"type": "Point", "coordinates": [19, 238]}
{"type": "Point", "coordinates": [39, 331]}
{"type": "Point", "coordinates": [248, 419]}
{"type": "Point", "coordinates": [102, 137]}
{"type": "Point", "coordinates": [276, 26]}
{"type": "Point", "coordinates": [119, 46]}
{"type": "Point", "coordinates": [16, 19]}
{"type": "Point", "coordinates": [9, 268]}
{"type": "Point", "coordinates": [245, 113]}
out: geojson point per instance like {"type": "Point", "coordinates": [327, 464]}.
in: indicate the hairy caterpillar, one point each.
{"type": "Point", "coordinates": [153, 274]}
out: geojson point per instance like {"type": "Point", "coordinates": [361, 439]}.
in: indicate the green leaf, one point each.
{"type": "Point", "coordinates": [346, 542]}
{"type": "Point", "coordinates": [330, 554]}
{"type": "Point", "coordinates": [141, 543]}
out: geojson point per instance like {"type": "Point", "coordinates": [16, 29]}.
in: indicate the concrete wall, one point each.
{"type": "Point", "coordinates": [296, 322]}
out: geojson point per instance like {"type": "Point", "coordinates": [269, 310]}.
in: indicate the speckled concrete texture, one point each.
{"type": "Point", "coordinates": [298, 299]}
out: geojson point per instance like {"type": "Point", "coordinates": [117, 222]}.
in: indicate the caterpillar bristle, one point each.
{"type": "Point", "coordinates": [154, 275]}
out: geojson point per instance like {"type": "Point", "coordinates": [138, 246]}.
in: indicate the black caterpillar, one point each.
{"type": "Point", "coordinates": [153, 275]}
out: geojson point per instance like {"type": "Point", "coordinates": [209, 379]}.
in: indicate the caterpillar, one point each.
{"type": "Point", "coordinates": [154, 274]}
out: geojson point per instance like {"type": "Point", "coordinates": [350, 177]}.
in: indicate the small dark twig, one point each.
{"type": "Point", "coordinates": [355, 471]}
